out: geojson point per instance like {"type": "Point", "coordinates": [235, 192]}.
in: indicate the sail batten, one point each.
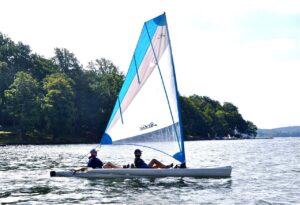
{"type": "Point", "coordinates": [147, 108]}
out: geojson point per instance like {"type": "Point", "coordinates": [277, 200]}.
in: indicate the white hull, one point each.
{"type": "Point", "coordinates": [218, 172]}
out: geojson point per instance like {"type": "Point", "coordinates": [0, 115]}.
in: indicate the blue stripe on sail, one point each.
{"type": "Point", "coordinates": [139, 54]}
{"type": "Point", "coordinates": [179, 156]}
{"type": "Point", "coordinates": [106, 139]}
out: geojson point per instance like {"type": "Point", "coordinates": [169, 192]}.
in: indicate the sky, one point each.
{"type": "Point", "coordinates": [243, 52]}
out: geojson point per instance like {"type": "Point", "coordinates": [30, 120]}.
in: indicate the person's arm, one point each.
{"type": "Point", "coordinates": [139, 163]}
{"type": "Point", "coordinates": [136, 163]}
{"type": "Point", "coordinates": [99, 163]}
{"type": "Point", "coordinates": [92, 163]}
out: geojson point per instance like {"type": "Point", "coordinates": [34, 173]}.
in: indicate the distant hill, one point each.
{"type": "Point", "coordinates": [293, 131]}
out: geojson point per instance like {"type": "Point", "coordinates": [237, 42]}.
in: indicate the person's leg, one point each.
{"type": "Point", "coordinates": [154, 163]}
{"type": "Point", "coordinates": [109, 165]}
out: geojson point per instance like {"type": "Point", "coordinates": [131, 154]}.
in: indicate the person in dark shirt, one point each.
{"type": "Point", "coordinates": [94, 162]}
{"type": "Point", "coordinates": [139, 163]}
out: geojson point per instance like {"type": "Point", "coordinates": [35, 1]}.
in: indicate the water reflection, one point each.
{"type": "Point", "coordinates": [142, 185]}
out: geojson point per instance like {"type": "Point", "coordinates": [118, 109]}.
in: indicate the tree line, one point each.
{"type": "Point", "coordinates": [60, 100]}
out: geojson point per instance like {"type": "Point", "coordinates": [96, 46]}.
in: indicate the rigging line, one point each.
{"type": "Point", "coordinates": [83, 156]}
{"type": "Point", "coordinates": [140, 145]}
{"type": "Point", "coordinates": [162, 80]}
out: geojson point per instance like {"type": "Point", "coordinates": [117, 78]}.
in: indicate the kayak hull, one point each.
{"type": "Point", "coordinates": [217, 172]}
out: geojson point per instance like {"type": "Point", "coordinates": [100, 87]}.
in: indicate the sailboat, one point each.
{"type": "Point", "coordinates": [147, 110]}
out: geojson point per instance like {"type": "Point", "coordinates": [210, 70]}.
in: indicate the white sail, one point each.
{"type": "Point", "coordinates": [146, 112]}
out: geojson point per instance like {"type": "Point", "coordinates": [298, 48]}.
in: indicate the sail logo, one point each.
{"type": "Point", "coordinates": [161, 36]}
{"type": "Point", "coordinates": [150, 125]}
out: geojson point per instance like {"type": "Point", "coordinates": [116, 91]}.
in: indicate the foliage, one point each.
{"type": "Point", "coordinates": [23, 102]}
{"type": "Point", "coordinates": [105, 82]}
{"type": "Point", "coordinates": [59, 99]}
{"type": "Point", "coordinates": [58, 104]}
{"type": "Point", "coordinates": [204, 118]}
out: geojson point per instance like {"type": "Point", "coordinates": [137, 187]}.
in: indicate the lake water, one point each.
{"type": "Point", "coordinates": [265, 171]}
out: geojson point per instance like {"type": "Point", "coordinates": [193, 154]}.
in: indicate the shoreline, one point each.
{"type": "Point", "coordinates": [75, 143]}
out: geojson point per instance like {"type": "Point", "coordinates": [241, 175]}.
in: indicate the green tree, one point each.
{"type": "Point", "coordinates": [66, 61]}
{"type": "Point", "coordinates": [229, 107]}
{"type": "Point", "coordinates": [107, 77]}
{"type": "Point", "coordinates": [3, 86]}
{"type": "Point", "coordinates": [23, 102]}
{"type": "Point", "coordinates": [208, 108]}
{"type": "Point", "coordinates": [41, 67]}
{"type": "Point", "coordinates": [16, 56]}
{"type": "Point", "coordinates": [236, 124]}
{"type": "Point", "coordinates": [194, 122]}
{"type": "Point", "coordinates": [224, 128]}
{"type": "Point", "coordinates": [58, 105]}
{"type": "Point", "coordinates": [251, 129]}
{"type": "Point", "coordinates": [105, 81]}
{"type": "Point", "coordinates": [202, 114]}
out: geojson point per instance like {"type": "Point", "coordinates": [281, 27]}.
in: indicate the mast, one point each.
{"type": "Point", "coordinates": [177, 94]}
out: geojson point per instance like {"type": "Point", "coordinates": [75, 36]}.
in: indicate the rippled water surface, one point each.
{"type": "Point", "coordinates": [265, 171]}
